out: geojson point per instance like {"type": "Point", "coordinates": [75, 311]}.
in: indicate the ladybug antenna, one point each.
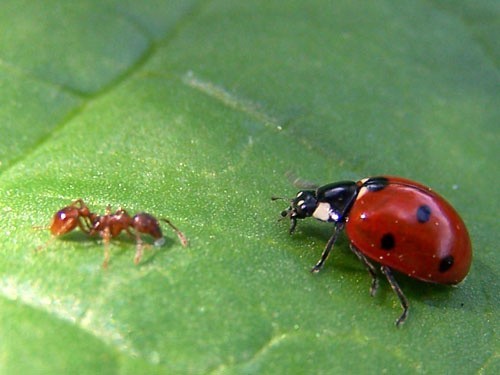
{"type": "Point", "coordinates": [285, 213]}
{"type": "Point", "coordinates": [289, 213]}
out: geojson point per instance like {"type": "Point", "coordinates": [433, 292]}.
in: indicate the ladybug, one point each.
{"type": "Point", "coordinates": [400, 224]}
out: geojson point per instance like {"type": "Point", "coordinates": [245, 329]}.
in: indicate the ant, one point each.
{"type": "Point", "coordinates": [110, 225]}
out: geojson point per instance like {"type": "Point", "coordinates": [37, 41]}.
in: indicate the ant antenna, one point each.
{"type": "Point", "coordinates": [39, 227]}
{"type": "Point", "coordinates": [180, 235]}
{"type": "Point", "coordinates": [47, 243]}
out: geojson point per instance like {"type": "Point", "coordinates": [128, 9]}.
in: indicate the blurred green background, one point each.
{"type": "Point", "coordinates": [196, 111]}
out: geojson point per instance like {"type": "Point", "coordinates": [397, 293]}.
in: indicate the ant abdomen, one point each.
{"type": "Point", "coordinates": [147, 224]}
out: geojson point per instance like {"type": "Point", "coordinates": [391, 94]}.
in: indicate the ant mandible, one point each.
{"type": "Point", "coordinates": [110, 225]}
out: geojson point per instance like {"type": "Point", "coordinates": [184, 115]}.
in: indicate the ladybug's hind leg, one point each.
{"type": "Point", "coordinates": [402, 299]}
{"type": "Point", "coordinates": [370, 267]}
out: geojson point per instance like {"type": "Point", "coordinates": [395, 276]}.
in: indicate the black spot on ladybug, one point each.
{"type": "Point", "coordinates": [446, 263]}
{"type": "Point", "coordinates": [376, 183]}
{"type": "Point", "coordinates": [387, 241]}
{"type": "Point", "coordinates": [423, 214]}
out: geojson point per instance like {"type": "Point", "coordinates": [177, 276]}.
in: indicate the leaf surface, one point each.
{"type": "Point", "coordinates": [198, 111]}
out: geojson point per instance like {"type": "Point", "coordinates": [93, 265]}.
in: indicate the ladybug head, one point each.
{"type": "Point", "coordinates": [302, 206]}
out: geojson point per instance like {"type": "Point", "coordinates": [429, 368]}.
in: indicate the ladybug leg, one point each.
{"type": "Point", "coordinates": [395, 287]}
{"type": "Point", "coordinates": [293, 224]}
{"type": "Point", "coordinates": [369, 266]}
{"type": "Point", "coordinates": [329, 246]}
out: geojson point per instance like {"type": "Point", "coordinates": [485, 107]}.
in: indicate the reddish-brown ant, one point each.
{"type": "Point", "coordinates": [110, 225]}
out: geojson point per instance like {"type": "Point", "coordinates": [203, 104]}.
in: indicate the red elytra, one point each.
{"type": "Point", "coordinates": [409, 228]}
{"type": "Point", "coordinates": [398, 223]}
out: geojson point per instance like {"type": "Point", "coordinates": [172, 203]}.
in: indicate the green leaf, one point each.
{"type": "Point", "coordinates": [197, 111]}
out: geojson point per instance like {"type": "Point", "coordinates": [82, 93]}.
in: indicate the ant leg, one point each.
{"type": "Point", "coordinates": [180, 235]}
{"type": "Point", "coordinates": [369, 266]}
{"type": "Point", "coordinates": [139, 249]}
{"type": "Point", "coordinates": [106, 236]}
{"type": "Point", "coordinates": [139, 245]}
{"type": "Point", "coordinates": [328, 247]}
{"type": "Point", "coordinates": [84, 222]}
{"type": "Point", "coordinates": [395, 287]}
{"type": "Point", "coordinates": [84, 225]}
{"type": "Point", "coordinates": [78, 201]}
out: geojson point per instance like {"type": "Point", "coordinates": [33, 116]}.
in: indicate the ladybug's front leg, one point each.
{"type": "Point", "coordinates": [329, 246]}
{"type": "Point", "coordinates": [402, 299]}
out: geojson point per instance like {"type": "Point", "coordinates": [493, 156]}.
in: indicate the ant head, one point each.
{"type": "Point", "coordinates": [68, 218]}
{"type": "Point", "coordinates": [64, 221]}
{"type": "Point", "coordinates": [302, 206]}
